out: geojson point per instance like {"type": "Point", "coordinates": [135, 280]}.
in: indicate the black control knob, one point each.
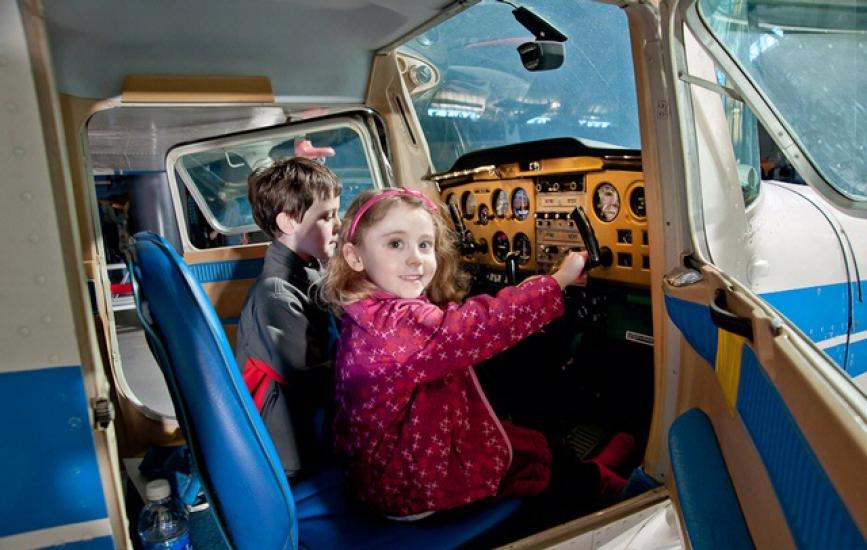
{"type": "Point", "coordinates": [606, 257]}
{"type": "Point", "coordinates": [551, 249]}
{"type": "Point", "coordinates": [512, 267]}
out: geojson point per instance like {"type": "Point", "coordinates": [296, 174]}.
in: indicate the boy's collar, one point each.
{"type": "Point", "coordinates": [280, 248]}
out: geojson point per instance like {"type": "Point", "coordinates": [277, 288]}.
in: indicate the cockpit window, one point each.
{"type": "Point", "coordinates": [214, 175]}
{"type": "Point", "coordinates": [476, 94]}
{"type": "Point", "coordinates": [811, 60]}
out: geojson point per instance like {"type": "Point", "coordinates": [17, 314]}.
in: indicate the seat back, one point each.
{"type": "Point", "coordinates": [235, 457]}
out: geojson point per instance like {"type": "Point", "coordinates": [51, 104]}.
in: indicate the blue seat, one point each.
{"type": "Point", "coordinates": [241, 474]}
{"type": "Point", "coordinates": [708, 502]}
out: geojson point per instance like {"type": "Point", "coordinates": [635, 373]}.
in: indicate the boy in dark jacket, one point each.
{"type": "Point", "coordinates": [284, 336]}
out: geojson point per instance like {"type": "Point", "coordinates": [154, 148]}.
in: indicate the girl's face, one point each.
{"type": "Point", "coordinates": [397, 252]}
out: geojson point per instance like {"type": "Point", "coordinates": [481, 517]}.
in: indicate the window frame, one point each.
{"type": "Point", "coordinates": [765, 112]}
{"type": "Point", "coordinates": [179, 179]}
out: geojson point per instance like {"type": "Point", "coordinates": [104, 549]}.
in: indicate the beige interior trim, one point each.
{"type": "Point", "coordinates": [69, 222]}
{"type": "Point", "coordinates": [196, 89]}
{"type": "Point", "coordinates": [228, 297]}
{"type": "Point", "coordinates": [245, 252]}
{"type": "Point", "coordinates": [563, 533]}
{"type": "Point", "coordinates": [408, 148]}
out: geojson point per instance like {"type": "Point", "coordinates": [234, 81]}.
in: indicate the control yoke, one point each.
{"type": "Point", "coordinates": [596, 255]}
{"type": "Point", "coordinates": [512, 267]}
{"type": "Point", "coordinates": [465, 238]}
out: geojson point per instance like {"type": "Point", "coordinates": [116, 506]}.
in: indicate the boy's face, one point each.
{"type": "Point", "coordinates": [315, 236]}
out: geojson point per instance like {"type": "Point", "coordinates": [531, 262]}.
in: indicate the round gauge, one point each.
{"type": "Point", "coordinates": [606, 202]}
{"type": "Point", "coordinates": [500, 245]}
{"type": "Point", "coordinates": [484, 214]}
{"type": "Point", "coordinates": [521, 245]}
{"type": "Point", "coordinates": [520, 204]}
{"type": "Point", "coordinates": [469, 203]}
{"type": "Point", "coordinates": [501, 203]}
{"type": "Point", "coordinates": [636, 203]}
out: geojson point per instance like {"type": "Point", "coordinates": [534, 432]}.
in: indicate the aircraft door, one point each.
{"type": "Point", "coordinates": [789, 425]}
{"type": "Point", "coordinates": [768, 443]}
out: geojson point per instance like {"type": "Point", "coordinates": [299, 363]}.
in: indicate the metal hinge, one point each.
{"type": "Point", "coordinates": [103, 412]}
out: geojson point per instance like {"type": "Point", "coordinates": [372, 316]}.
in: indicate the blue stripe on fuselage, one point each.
{"type": "Point", "coordinates": [821, 312]}
{"type": "Point", "coordinates": [50, 473]}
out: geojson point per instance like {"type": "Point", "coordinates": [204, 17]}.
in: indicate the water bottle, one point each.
{"type": "Point", "coordinates": [164, 523]}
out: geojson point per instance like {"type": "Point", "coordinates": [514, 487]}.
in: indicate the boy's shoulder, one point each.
{"type": "Point", "coordinates": [280, 260]}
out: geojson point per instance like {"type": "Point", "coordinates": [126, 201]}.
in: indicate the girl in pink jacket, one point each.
{"type": "Point", "coordinates": [411, 418]}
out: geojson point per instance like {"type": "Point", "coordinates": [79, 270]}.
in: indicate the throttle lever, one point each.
{"type": "Point", "coordinates": [465, 241]}
{"type": "Point", "coordinates": [456, 219]}
{"type": "Point", "coordinates": [465, 237]}
{"type": "Point", "coordinates": [512, 267]}
{"type": "Point", "coordinates": [596, 256]}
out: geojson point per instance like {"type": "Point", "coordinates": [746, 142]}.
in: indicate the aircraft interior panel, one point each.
{"type": "Point", "coordinates": [530, 217]}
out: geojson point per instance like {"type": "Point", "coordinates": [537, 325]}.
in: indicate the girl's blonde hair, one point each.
{"type": "Point", "coordinates": [341, 285]}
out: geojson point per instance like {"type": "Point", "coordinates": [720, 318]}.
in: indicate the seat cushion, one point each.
{"type": "Point", "coordinates": [329, 517]}
{"type": "Point", "coordinates": [710, 507]}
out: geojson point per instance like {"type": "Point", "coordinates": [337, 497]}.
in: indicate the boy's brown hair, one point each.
{"type": "Point", "coordinates": [289, 185]}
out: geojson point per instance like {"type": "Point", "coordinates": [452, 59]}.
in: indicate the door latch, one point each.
{"type": "Point", "coordinates": [103, 412]}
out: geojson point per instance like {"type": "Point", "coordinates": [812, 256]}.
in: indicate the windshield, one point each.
{"type": "Point", "coordinates": [811, 61]}
{"type": "Point", "coordinates": [482, 96]}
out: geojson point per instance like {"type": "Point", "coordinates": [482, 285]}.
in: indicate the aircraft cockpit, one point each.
{"type": "Point", "coordinates": [523, 208]}
{"type": "Point", "coordinates": [517, 210]}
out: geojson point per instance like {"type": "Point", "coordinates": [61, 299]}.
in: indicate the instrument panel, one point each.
{"type": "Point", "coordinates": [509, 208]}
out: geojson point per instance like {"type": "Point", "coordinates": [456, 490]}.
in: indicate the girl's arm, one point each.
{"type": "Point", "coordinates": [462, 335]}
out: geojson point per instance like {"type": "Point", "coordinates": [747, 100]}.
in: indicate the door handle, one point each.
{"type": "Point", "coordinates": [726, 320]}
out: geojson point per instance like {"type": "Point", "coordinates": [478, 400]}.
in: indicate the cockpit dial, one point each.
{"type": "Point", "coordinates": [484, 214]}
{"type": "Point", "coordinates": [606, 202]}
{"type": "Point", "coordinates": [501, 203]}
{"type": "Point", "coordinates": [520, 204]}
{"type": "Point", "coordinates": [469, 205]}
{"type": "Point", "coordinates": [637, 203]}
{"type": "Point", "coordinates": [500, 245]}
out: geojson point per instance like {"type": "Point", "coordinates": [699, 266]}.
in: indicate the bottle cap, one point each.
{"type": "Point", "coordinates": [158, 489]}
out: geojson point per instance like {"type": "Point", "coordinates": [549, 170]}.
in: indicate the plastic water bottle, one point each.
{"type": "Point", "coordinates": [164, 523]}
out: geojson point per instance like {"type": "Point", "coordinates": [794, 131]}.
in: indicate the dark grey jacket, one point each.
{"type": "Point", "coordinates": [283, 327]}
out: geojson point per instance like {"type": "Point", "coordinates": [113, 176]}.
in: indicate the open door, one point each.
{"type": "Point", "coordinates": [768, 445]}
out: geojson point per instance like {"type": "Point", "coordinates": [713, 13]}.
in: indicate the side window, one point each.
{"type": "Point", "coordinates": [212, 176]}
{"type": "Point", "coordinates": [759, 225]}
{"type": "Point", "coordinates": [744, 133]}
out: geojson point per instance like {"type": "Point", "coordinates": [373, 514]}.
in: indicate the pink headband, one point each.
{"type": "Point", "coordinates": [384, 195]}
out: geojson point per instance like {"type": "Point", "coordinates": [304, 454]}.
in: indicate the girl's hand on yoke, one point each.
{"type": "Point", "coordinates": [571, 271]}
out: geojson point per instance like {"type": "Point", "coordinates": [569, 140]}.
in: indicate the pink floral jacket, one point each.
{"type": "Point", "coordinates": [411, 418]}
